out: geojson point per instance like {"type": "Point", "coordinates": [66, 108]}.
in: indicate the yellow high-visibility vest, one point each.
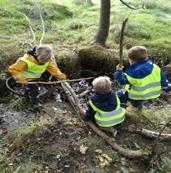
{"type": "Point", "coordinates": [33, 70]}
{"type": "Point", "coordinates": [145, 88]}
{"type": "Point", "coordinates": [109, 119]}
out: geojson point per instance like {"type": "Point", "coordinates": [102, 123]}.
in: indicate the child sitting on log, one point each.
{"type": "Point", "coordinates": [31, 67]}
{"type": "Point", "coordinates": [143, 80]}
{"type": "Point", "coordinates": [104, 106]}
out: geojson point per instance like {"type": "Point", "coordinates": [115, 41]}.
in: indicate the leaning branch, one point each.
{"type": "Point", "coordinates": [121, 41]}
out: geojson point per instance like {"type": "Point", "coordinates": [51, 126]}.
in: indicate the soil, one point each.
{"type": "Point", "coordinates": [57, 148]}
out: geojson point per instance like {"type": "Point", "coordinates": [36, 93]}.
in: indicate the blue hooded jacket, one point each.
{"type": "Point", "coordinates": [106, 102]}
{"type": "Point", "coordinates": [140, 70]}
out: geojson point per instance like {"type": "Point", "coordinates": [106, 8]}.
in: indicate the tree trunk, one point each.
{"type": "Point", "coordinates": [103, 30]}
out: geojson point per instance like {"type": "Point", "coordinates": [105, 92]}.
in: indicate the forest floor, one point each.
{"type": "Point", "coordinates": [56, 140]}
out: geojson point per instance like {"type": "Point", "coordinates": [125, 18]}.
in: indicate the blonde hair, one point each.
{"type": "Point", "coordinates": [102, 84]}
{"type": "Point", "coordinates": [44, 53]}
{"type": "Point", "coordinates": [137, 53]}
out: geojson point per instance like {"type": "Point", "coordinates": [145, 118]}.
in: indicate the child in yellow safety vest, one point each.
{"type": "Point", "coordinates": [104, 106]}
{"type": "Point", "coordinates": [143, 80]}
{"type": "Point", "coordinates": [31, 67]}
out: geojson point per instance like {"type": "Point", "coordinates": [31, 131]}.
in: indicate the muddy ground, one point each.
{"type": "Point", "coordinates": [56, 140]}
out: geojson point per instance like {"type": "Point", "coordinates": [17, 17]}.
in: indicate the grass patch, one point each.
{"type": "Point", "coordinates": [94, 142]}
{"type": "Point", "coordinates": [22, 135]}
{"type": "Point", "coordinates": [69, 25]}
{"type": "Point", "coordinates": [18, 103]}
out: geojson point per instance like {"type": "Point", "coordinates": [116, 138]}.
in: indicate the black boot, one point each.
{"type": "Point", "coordinates": [32, 91]}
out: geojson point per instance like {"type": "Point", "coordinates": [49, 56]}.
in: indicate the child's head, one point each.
{"type": "Point", "coordinates": [102, 84]}
{"type": "Point", "coordinates": [137, 53]}
{"type": "Point", "coordinates": [43, 53]}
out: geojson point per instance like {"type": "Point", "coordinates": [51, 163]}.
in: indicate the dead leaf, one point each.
{"type": "Point", "coordinates": [99, 151]}
{"type": "Point", "coordinates": [83, 149]}
{"type": "Point", "coordinates": [107, 157]}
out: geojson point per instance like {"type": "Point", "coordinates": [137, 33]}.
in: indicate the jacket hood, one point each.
{"type": "Point", "coordinates": [105, 102]}
{"type": "Point", "coordinates": [140, 69]}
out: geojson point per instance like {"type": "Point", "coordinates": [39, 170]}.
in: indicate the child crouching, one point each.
{"type": "Point", "coordinates": [104, 106]}
{"type": "Point", "coordinates": [30, 67]}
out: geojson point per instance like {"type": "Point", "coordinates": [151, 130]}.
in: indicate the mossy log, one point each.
{"type": "Point", "coordinates": [98, 58]}
{"type": "Point", "coordinates": [68, 61]}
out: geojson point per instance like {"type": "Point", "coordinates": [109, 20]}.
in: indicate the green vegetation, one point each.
{"type": "Point", "coordinates": [69, 25]}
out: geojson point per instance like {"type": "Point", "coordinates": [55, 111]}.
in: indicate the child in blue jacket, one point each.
{"type": "Point", "coordinates": [143, 79]}
{"type": "Point", "coordinates": [104, 106]}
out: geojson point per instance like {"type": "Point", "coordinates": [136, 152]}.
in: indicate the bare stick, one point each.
{"type": "Point", "coordinates": [57, 82]}
{"type": "Point", "coordinates": [31, 29]}
{"type": "Point", "coordinates": [121, 41]}
{"type": "Point", "coordinates": [154, 153]}
{"type": "Point", "coordinates": [42, 22]}
{"type": "Point", "coordinates": [133, 8]}
{"type": "Point", "coordinates": [149, 133]}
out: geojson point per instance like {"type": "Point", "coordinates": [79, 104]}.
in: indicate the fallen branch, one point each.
{"type": "Point", "coordinates": [85, 92]}
{"type": "Point", "coordinates": [154, 154]}
{"type": "Point", "coordinates": [66, 89]}
{"type": "Point", "coordinates": [125, 152]}
{"type": "Point", "coordinates": [149, 133]}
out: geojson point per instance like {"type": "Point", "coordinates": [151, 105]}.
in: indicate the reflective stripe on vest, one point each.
{"type": "Point", "coordinates": [145, 88]}
{"type": "Point", "coordinates": [33, 70]}
{"type": "Point", "coordinates": [109, 119]}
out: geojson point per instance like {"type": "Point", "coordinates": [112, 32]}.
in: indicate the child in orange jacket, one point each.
{"type": "Point", "coordinates": [31, 66]}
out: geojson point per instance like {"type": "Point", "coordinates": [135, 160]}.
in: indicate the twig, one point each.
{"type": "Point", "coordinates": [57, 82]}
{"type": "Point", "coordinates": [85, 92]}
{"type": "Point", "coordinates": [31, 29]}
{"type": "Point", "coordinates": [121, 41]}
{"type": "Point", "coordinates": [129, 6]}
{"type": "Point", "coordinates": [153, 153]}
{"type": "Point", "coordinates": [42, 22]}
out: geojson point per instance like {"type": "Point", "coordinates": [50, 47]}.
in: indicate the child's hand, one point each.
{"type": "Point", "coordinates": [168, 93]}
{"type": "Point", "coordinates": [119, 67]}
{"type": "Point", "coordinates": [63, 76]}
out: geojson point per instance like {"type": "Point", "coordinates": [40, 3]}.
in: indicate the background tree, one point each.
{"type": "Point", "coordinates": [104, 24]}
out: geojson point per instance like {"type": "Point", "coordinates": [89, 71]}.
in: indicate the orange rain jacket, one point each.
{"type": "Point", "coordinates": [16, 69]}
